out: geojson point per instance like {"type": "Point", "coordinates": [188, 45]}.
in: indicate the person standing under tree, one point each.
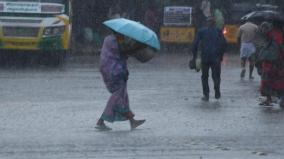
{"type": "Point", "coordinates": [213, 45]}
{"type": "Point", "coordinates": [246, 35]}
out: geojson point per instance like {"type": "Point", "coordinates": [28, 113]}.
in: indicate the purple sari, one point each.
{"type": "Point", "coordinates": [113, 67]}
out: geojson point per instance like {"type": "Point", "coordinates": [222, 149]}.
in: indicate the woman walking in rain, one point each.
{"type": "Point", "coordinates": [271, 60]}
{"type": "Point", "coordinates": [113, 67]}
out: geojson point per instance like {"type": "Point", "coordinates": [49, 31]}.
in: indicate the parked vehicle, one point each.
{"type": "Point", "coordinates": [37, 26]}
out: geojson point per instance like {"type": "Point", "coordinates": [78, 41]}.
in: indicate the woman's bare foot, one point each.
{"type": "Point", "coordinates": [102, 126]}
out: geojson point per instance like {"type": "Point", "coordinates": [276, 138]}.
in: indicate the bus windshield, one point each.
{"type": "Point", "coordinates": [33, 6]}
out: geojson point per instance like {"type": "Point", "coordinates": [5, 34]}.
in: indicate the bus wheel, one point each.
{"type": "Point", "coordinates": [58, 58]}
{"type": "Point", "coordinates": [53, 58]}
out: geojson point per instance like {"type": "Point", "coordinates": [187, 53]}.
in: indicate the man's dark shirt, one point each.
{"type": "Point", "coordinates": [212, 42]}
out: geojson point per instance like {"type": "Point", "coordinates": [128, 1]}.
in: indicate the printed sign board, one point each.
{"type": "Point", "coordinates": [21, 7]}
{"type": "Point", "coordinates": [177, 16]}
{"type": "Point", "coordinates": [31, 7]}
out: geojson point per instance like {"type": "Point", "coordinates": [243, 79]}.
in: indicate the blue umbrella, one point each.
{"type": "Point", "coordinates": [134, 30]}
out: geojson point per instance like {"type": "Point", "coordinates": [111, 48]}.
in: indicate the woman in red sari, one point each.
{"type": "Point", "coordinates": [272, 78]}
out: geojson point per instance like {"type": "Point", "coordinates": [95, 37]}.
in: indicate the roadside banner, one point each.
{"type": "Point", "coordinates": [177, 34]}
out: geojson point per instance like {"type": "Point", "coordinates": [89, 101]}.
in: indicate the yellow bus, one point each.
{"type": "Point", "coordinates": [40, 26]}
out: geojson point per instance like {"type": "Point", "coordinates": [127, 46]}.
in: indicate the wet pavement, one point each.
{"type": "Point", "coordinates": [51, 113]}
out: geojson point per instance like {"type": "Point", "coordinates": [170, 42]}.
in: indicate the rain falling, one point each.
{"type": "Point", "coordinates": [141, 79]}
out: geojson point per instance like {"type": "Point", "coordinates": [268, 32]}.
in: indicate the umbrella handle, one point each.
{"type": "Point", "coordinates": [133, 50]}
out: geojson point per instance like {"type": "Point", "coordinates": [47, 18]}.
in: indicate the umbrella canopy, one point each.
{"type": "Point", "coordinates": [134, 30]}
{"type": "Point", "coordinates": [267, 15]}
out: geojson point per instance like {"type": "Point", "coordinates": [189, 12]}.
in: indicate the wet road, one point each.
{"type": "Point", "coordinates": [51, 113]}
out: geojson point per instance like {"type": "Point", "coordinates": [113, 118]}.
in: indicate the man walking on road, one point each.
{"type": "Point", "coordinates": [246, 35]}
{"type": "Point", "coordinates": [213, 45]}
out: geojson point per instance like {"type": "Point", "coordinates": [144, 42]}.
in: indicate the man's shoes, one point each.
{"type": "Point", "coordinates": [243, 73]}
{"type": "Point", "coordinates": [217, 95]}
{"type": "Point", "coordinates": [135, 123]}
{"type": "Point", "coordinates": [205, 98]}
{"type": "Point", "coordinates": [102, 127]}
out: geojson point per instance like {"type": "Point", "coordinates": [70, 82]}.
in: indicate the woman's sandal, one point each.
{"type": "Point", "coordinates": [135, 123]}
